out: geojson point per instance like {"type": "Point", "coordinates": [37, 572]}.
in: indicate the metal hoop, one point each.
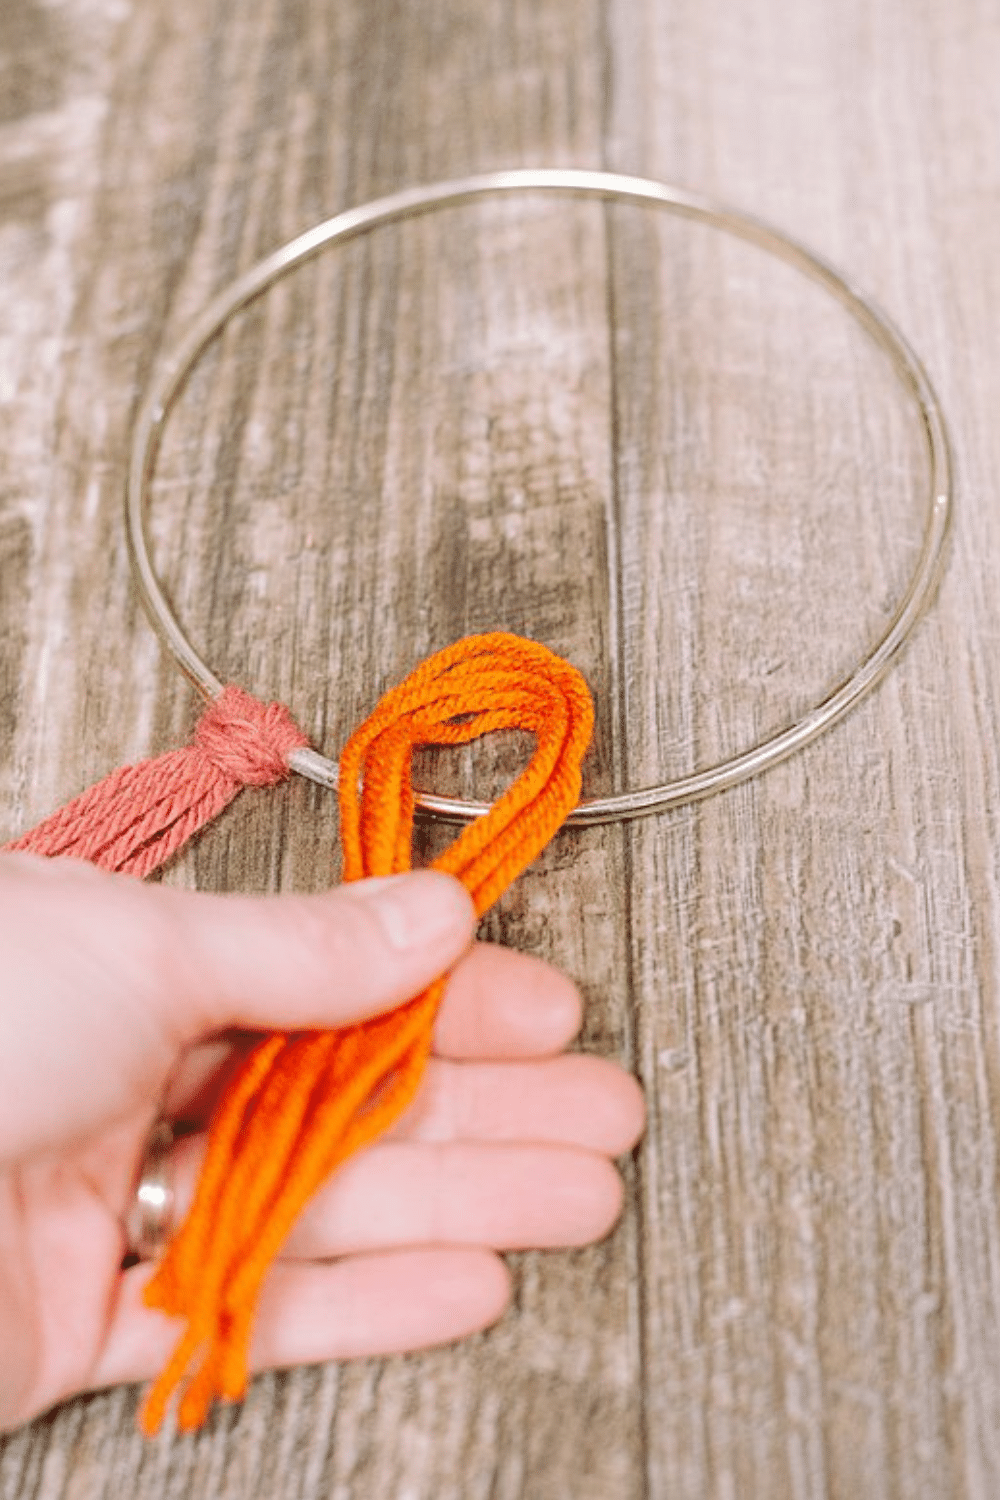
{"type": "Point", "coordinates": [176, 369]}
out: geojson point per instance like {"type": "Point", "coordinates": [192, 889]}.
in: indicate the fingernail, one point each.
{"type": "Point", "coordinates": [419, 909]}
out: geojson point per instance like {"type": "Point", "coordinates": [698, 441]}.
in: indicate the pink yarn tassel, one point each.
{"type": "Point", "coordinates": [137, 817]}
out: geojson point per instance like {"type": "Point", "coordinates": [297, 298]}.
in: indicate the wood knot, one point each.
{"type": "Point", "coordinates": [247, 740]}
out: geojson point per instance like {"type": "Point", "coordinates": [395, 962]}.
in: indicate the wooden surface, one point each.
{"type": "Point", "coordinates": [670, 460]}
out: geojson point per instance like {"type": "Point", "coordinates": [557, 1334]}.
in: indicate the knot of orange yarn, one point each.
{"type": "Point", "coordinates": [304, 1102]}
{"type": "Point", "coordinates": [248, 740]}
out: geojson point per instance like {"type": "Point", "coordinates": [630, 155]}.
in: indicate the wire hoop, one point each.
{"type": "Point", "coordinates": [174, 372]}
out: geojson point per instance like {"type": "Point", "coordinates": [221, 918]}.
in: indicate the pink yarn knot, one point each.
{"type": "Point", "coordinates": [247, 740]}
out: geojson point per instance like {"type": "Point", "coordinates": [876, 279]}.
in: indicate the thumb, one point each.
{"type": "Point", "coordinates": [294, 962]}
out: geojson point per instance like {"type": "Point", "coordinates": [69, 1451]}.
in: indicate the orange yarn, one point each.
{"type": "Point", "coordinates": [304, 1102]}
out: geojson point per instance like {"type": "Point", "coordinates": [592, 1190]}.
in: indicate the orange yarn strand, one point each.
{"type": "Point", "coordinates": [302, 1103]}
{"type": "Point", "coordinates": [289, 1122]}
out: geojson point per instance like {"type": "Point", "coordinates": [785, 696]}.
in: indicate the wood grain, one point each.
{"type": "Point", "coordinates": [673, 461]}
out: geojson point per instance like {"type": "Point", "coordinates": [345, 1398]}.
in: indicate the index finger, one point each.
{"type": "Point", "coordinates": [500, 1004]}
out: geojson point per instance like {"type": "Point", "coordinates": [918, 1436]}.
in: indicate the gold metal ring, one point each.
{"type": "Point", "coordinates": [149, 1221]}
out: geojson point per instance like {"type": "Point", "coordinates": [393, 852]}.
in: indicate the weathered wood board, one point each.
{"type": "Point", "coordinates": [673, 461]}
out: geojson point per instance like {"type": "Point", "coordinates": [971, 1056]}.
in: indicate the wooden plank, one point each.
{"type": "Point", "coordinates": [806, 1301]}
{"type": "Point", "coordinates": [815, 984]}
{"type": "Point", "coordinates": [402, 443]}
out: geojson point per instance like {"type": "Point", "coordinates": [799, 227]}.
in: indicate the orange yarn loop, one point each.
{"type": "Point", "coordinates": [304, 1102]}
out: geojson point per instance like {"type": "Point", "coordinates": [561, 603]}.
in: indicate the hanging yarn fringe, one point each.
{"type": "Point", "coordinates": [137, 817]}
{"type": "Point", "coordinates": [304, 1102]}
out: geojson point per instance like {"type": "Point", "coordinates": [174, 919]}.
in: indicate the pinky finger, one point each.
{"type": "Point", "coordinates": [363, 1306]}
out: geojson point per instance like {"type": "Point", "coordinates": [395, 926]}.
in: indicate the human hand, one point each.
{"type": "Point", "coordinates": [116, 996]}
